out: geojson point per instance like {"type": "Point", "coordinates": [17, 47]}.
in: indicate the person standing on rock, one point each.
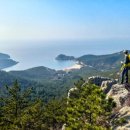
{"type": "Point", "coordinates": [125, 67]}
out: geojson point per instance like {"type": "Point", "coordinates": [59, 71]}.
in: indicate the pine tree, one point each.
{"type": "Point", "coordinates": [17, 110]}
{"type": "Point", "coordinates": [54, 114]}
{"type": "Point", "coordinates": [88, 108]}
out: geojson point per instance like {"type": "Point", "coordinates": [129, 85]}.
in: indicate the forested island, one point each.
{"type": "Point", "coordinates": [6, 61]}
{"type": "Point", "coordinates": [64, 57]}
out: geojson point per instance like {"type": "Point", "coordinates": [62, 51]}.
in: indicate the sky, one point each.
{"type": "Point", "coordinates": [64, 20]}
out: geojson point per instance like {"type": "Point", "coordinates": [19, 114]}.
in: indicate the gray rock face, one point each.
{"type": "Point", "coordinates": [124, 112]}
{"type": "Point", "coordinates": [106, 85]}
{"type": "Point", "coordinates": [104, 82]}
{"type": "Point", "coordinates": [97, 80]}
{"type": "Point", "coordinates": [122, 97]}
{"type": "Point", "coordinates": [118, 93]}
{"type": "Point", "coordinates": [125, 100]}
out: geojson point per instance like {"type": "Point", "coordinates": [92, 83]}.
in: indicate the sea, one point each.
{"type": "Point", "coordinates": [31, 54]}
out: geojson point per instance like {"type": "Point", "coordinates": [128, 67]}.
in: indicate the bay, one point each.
{"type": "Point", "coordinates": [31, 54]}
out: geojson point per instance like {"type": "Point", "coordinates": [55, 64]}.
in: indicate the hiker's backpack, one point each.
{"type": "Point", "coordinates": [129, 57]}
{"type": "Point", "coordinates": [126, 65]}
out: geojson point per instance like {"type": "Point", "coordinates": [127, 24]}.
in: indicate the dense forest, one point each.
{"type": "Point", "coordinates": [86, 108]}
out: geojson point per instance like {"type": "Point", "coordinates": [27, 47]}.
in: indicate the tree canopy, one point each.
{"type": "Point", "coordinates": [88, 108]}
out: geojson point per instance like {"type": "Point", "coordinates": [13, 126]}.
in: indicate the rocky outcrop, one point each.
{"type": "Point", "coordinates": [120, 94]}
{"type": "Point", "coordinates": [124, 113]}
{"type": "Point", "coordinates": [106, 85]}
{"type": "Point", "coordinates": [97, 80]}
{"type": "Point", "coordinates": [70, 91]}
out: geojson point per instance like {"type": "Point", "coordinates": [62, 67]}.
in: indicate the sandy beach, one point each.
{"type": "Point", "coordinates": [76, 66]}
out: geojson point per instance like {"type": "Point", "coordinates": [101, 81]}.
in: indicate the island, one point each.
{"type": "Point", "coordinates": [6, 61]}
{"type": "Point", "coordinates": [64, 57]}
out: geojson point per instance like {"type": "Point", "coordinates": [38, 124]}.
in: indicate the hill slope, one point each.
{"type": "Point", "coordinates": [102, 62]}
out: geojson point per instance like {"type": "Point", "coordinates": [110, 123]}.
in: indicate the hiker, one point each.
{"type": "Point", "coordinates": [125, 67]}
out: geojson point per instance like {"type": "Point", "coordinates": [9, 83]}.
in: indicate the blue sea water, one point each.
{"type": "Point", "coordinates": [33, 54]}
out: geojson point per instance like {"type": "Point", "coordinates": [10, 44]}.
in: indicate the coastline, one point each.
{"type": "Point", "coordinates": [74, 67]}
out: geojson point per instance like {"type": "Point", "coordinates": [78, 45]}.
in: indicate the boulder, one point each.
{"type": "Point", "coordinates": [106, 85]}
{"type": "Point", "coordinates": [118, 93]}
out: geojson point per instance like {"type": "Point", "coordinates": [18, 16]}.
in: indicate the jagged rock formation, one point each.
{"type": "Point", "coordinates": [106, 85]}
{"type": "Point", "coordinates": [120, 94]}
{"type": "Point", "coordinates": [97, 80]}
{"type": "Point", "coordinates": [122, 97]}
{"type": "Point", "coordinates": [124, 112]}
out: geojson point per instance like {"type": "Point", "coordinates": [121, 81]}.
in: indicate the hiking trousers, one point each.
{"type": "Point", "coordinates": [124, 74]}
